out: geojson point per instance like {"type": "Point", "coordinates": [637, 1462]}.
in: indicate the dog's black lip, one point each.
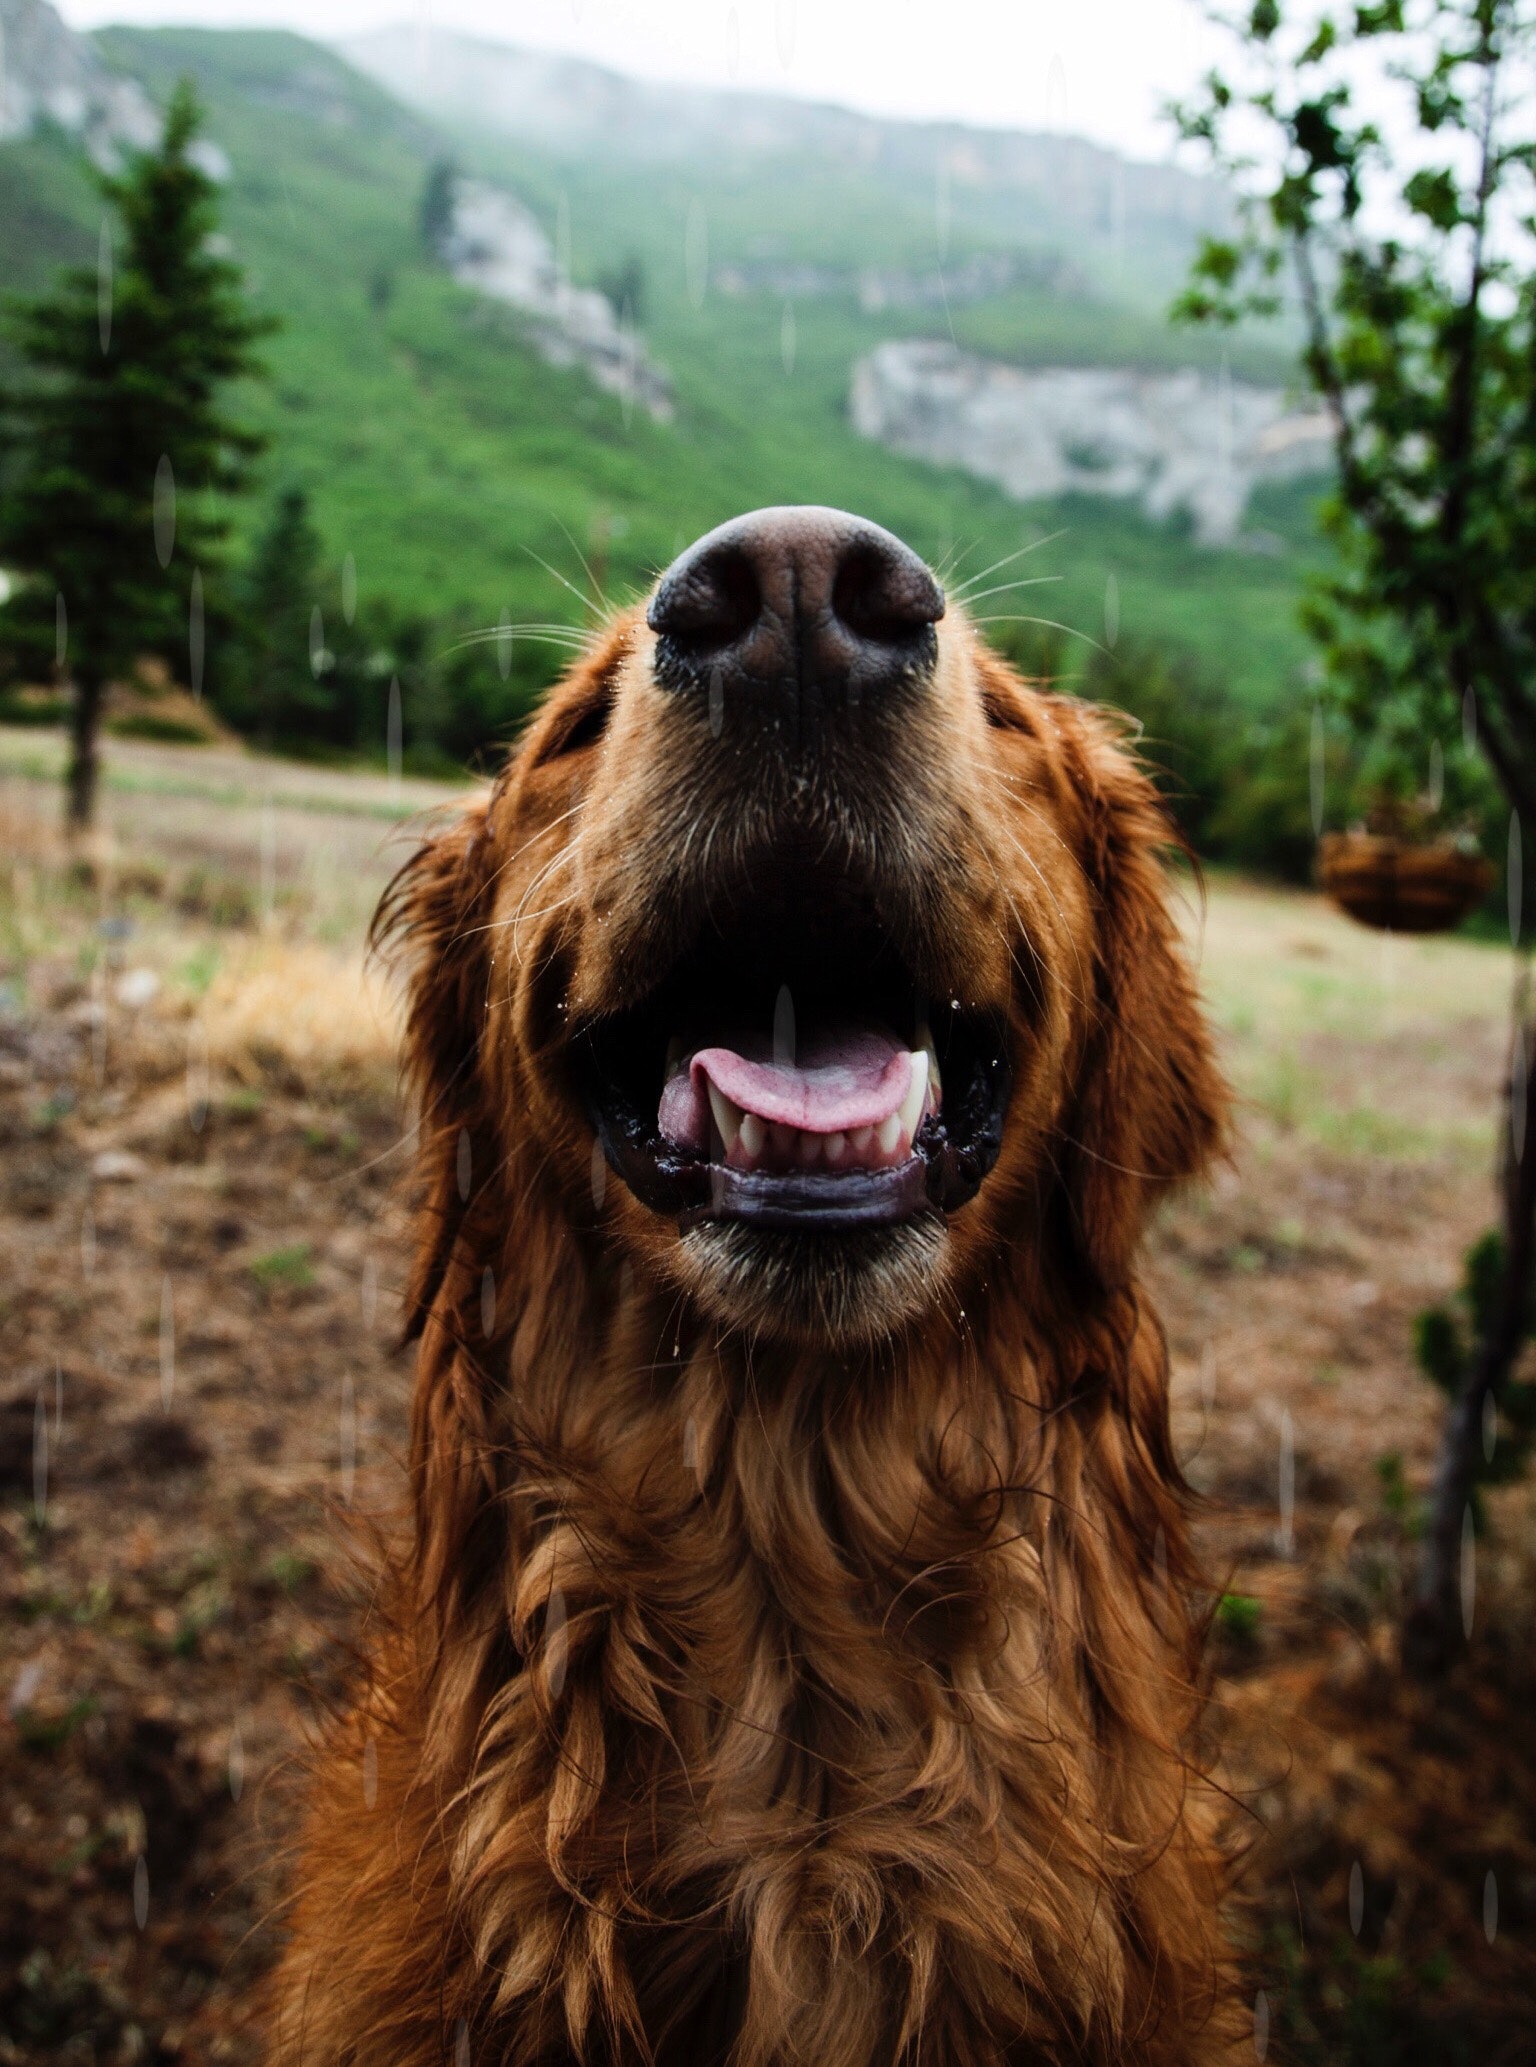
{"type": "Point", "coordinates": [943, 1173]}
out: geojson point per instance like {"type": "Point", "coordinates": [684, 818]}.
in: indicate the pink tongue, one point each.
{"type": "Point", "coordinates": [837, 1081]}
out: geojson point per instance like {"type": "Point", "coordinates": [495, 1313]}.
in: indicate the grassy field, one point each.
{"type": "Point", "coordinates": [202, 1209]}
{"type": "Point", "coordinates": [458, 469]}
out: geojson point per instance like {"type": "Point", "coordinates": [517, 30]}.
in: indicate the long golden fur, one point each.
{"type": "Point", "coordinates": [789, 1667]}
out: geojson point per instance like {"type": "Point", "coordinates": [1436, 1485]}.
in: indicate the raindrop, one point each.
{"type": "Point", "coordinates": [1208, 1376]}
{"type": "Point", "coordinates": [784, 1029]}
{"type": "Point", "coordinates": [461, 2045]}
{"type": "Point", "coordinates": [268, 861]}
{"type": "Point", "coordinates": [1468, 1570]}
{"type": "Point", "coordinates": [691, 1446]}
{"type": "Point", "coordinates": [1516, 878]}
{"type": "Point", "coordinates": [784, 24]}
{"type": "Point", "coordinates": [197, 1074]}
{"type": "Point", "coordinates": [1490, 1426]}
{"type": "Point", "coordinates": [348, 589]}
{"type": "Point", "coordinates": [1490, 1907]}
{"type": "Point", "coordinates": [394, 725]}
{"type": "Point", "coordinates": [787, 339]}
{"type": "Point", "coordinates": [556, 1642]}
{"type": "Point", "coordinates": [487, 1302]}
{"type": "Point", "coordinates": [599, 1176]}
{"type": "Point", "coordinates": [1287, 1536]}
{"type": "Point", "coordinates": [1356, 1898]}
{"type": "Point", "coordinates": [1260, 2025]}
{"type": "Point", "coordinates": [696, 253]}
{"type": "Point", "coordinates": [88, 1243]}
{"type": "Point", "coordinates": [104, 286]}
{"type": "Point", "coordinates": [1111, 612]}
{"type": "Point", "coordinates": [370, 1291]}
{"type": "Point", "coordinates": [236, 1763]}
{"type": "Point", "coordinates": [40, 1459]}
{"type": "Point", "coordinates": [716, 702]}
{"type": "Point", "coordinates": [371, 1776]}
{"type": "Point", "coordinates": [1469, 719]}
{"type": "Point", "coordinates": [140, 1891]}
{"type": "Point", "coordinates": [347, 1438]}
{"type": "Point", "coordinates": [60, 631]}
{"type": "Point", "coordinates": [167, 1342]}
{"type": "Point", "coordinates": [1319, 768]}
{"type": "Point", "coordinates": [504, 645]}
{"type": "Point", "coordinates": [1436, 775]}
{"type": "Point", "coordinates": [197, 637]}
{"type": "Point", "coordinates": [317, 653]}
{"type": "Point", "coordinates": [463, 1161]}
{"type": "Point", "coordinates": [165, 511]}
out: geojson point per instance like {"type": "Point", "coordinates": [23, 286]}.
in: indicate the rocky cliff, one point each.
{"type": "Point", "coordinates": [49, 74]}
{"type": "Point", "coordinates": [1179, 442]}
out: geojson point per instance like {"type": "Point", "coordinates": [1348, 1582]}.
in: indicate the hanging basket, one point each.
{"type": "Point", "coordinates": [1402, 886]}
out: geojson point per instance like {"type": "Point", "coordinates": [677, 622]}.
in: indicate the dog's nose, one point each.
{"type": "Point", "coordinates": [795, 611]}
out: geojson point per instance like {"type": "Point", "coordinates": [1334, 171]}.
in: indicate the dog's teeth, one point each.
{"type": "Point", "coordinates": [753, 1135]}
{"type": "Point", "coordinates": [915, 1103]}
{"type": "Point", "coordinates": [860, 1139]}
{"type": "Point", "coordinates": [925, 1045]}
{"type": "Point", "coordinates": [783, 1138]}
{"type": "Point", "coordinates": [836, 1148]}
{"type": "Point", "coordinates": [888, 1133]}
{"type": "Point", "coordinates": [727, 1117]}
{"type": "Point", "coordinates": [810, 1148]}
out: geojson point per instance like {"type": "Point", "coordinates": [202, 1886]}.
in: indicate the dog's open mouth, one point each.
{"type": "Point", "coordinates": [797, 1076]}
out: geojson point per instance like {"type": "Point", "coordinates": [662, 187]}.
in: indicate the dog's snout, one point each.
{"type": "Point", "coordinates": [801, 608]}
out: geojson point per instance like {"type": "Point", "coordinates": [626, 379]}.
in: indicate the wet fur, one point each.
{"type": "Point", "coordinates": [742, 1696]}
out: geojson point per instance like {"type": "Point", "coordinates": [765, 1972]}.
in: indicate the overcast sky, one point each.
{"type": "Point", "coordinates": [1099, 68]}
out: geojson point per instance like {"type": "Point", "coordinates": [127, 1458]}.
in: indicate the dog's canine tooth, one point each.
{"type": "Point", "coordinates": [915, 1104]}
{"type": "Point", "coordinates": [753, 1135]}
{"type": "Point", "coordinates": [727, 1117]}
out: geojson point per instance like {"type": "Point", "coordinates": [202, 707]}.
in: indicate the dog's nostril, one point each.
{"type": "Point", "coordinates": [711, 602]}
{"type": "Point", "coordinates": [884, 595]}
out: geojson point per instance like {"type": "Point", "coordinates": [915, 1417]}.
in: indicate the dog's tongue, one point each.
{"type": "Point", "coordinates": [841, 1081]}
{"type": "Point", "coordinates": [835, 1083]}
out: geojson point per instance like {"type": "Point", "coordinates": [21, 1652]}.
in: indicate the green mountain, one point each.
{"type": "Point", "coordinates": [469, 478]}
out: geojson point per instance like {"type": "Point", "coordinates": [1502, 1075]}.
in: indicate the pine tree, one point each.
{"type": "Point", "coordinates": [125, 446]}
{"type": "Point", "coordinates": [273, 682]}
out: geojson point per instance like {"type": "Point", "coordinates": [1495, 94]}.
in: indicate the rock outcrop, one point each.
{"type": "Point", "coordinates": [499, 248]}
{"type": "Point", "coordinates": [1180, 442]}
{"type": "Point", "coordinates": [49, 74]}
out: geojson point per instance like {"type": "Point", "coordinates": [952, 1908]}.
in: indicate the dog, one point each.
{"type": "Point", "coordinates": [794, 1658]}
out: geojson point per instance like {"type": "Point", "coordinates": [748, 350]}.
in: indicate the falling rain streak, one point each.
{"type": "Point", "coordinates": [165, 511]}
{"type": "Point", "coordinates": [196, 634]}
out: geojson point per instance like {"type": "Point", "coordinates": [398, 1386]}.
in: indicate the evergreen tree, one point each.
{"type": "Point", "coordinates": [125, 443]}
{"type": "Point", "coordinates": [271, 683]}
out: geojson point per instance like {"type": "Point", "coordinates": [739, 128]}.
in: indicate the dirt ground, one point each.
{"type": "Point", "coordinates": [201, 1211]}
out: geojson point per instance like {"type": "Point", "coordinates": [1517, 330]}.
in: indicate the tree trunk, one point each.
{"type": "Point", "coordinates": [1434, 1633]}
{"type": "Point", "coordinates": [84, 760]}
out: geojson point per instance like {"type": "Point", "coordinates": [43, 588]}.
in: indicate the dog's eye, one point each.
{"type": "Point", "coordinates": [581, 727]}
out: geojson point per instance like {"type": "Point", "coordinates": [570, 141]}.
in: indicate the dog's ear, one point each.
{"type": "Point", "coordinates": [433, 918]}
{"type": "Point", "coordinates": [1152, 1103]}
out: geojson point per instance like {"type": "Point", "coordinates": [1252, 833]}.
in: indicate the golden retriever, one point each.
{"type": "Point", "coordinates": [793, 1660]}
